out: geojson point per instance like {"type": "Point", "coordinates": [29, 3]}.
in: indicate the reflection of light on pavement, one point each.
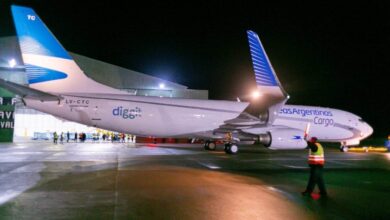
{"type": "Point", "coordinates": [8, 195]}
{"type": "Point", "coordinates": [273, 189]}
{"type": "Point", "coordinates": [96, 147]}
{"type": "Point", "coordinates": [19, 180]}
{"type": "Point", "coordinates": [213, 167]}
{"type": "Point", "coordinates": [297, 167]}
{"type": "Point", "coordinates": [284, 193]}
{"type": "Point", "coordinates": [210, 166]}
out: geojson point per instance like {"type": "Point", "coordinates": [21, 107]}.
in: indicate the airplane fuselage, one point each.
{"type": "Point", "coordinates": [146, 116]}
{"type": "Point", "coordinates": [171, 117]}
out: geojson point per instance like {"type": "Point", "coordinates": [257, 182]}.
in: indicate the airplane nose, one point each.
{"type": "Point", "coordinates": [369, 130]}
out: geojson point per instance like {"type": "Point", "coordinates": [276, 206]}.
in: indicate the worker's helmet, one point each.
{"type": "Point", "coordinates": [313, 139]}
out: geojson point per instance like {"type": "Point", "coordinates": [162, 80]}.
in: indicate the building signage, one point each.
{"type": "Point", "coordinates": [7, 107]}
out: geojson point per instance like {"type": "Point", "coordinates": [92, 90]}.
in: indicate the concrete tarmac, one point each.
{"type": "Point", "coordinates": [178, 181]}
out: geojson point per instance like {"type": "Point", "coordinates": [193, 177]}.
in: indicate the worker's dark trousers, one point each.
{"type": "Point", "coordinates": [316, 178]}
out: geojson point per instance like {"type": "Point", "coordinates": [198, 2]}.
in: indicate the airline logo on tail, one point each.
{"type": "Point", "coordinates": [49, 67]}
{"type": "Point", "coordinates": [36, 39]}
{"type": "Point", "coordinates": [36, 74]}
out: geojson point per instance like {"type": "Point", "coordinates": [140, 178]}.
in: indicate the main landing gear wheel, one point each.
{"type": "Point", "coordinates": [231, 148]}
{"type": "Point", "coordinates": [206, 145]}
{"type": "Point", "coordinates": [210, 145]}
{"type": "Point", "coordinates": [343, 148]}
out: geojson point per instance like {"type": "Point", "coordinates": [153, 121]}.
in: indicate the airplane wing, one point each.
{"type": "Point", "coordinates": [27, 92]}
{"type": "Point", "coordinates": [274, 137]}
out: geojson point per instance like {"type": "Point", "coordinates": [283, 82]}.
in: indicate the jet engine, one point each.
{"type": "Point", "coordinates": [280, 139]}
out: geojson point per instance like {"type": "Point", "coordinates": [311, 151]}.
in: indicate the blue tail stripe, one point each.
{"type": "Point", "coordinates": [264, 73]}
{"type": "Point", "coordinates": [36, 74]}
{"type": "Point", "coordinates": [263, 77]}
{"type": "Point", "coordinates": [34, 37]}
{"type": "Point", "coordinates": [263, 80]}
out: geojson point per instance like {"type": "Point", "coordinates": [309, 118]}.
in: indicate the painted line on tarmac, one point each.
{"type": "Point", "coordinates": [297, 167]}
{"type": "Point", "coordinates": [351, 159]}
{"type": "Point", "coordinates": [274, 159]}
{"type": "Point", "coordinates": [299, 159]}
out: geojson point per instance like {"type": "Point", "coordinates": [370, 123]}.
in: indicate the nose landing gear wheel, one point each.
{"type": "Point", "coordinates": [343, 148]}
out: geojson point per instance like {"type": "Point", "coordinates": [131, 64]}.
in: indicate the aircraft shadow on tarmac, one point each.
{"type": "Point", "coordinates": [253, 149]}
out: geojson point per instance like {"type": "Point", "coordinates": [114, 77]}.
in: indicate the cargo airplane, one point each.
{"type": "Point", "coordinates": [59, 87]}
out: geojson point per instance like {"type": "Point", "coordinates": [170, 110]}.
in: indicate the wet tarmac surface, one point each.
{"type": "Point", "coordinates": [124, 181]}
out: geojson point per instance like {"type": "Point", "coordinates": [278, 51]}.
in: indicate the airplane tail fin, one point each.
{"type": "Point", "coordinates": [268, 85]}
{"type": "Point", "coordinates": [48, 65]}
{"type": "Point", "coordinates": [266, 79]}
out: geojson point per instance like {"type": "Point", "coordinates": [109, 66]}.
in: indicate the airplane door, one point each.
{"type": "Point", "coordinates": [95, 116]}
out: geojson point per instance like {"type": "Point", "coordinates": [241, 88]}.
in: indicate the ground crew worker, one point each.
{"type": "Point", "coordinates": [316, 162]}
{"type": "Point", "coordinates": [387, 143]}
{"type": "Point", "coordinates": [55, 137]}
{"type": "Point", "coordinates": [62, 138]}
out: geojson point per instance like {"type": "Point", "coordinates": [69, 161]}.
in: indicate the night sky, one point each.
{"type": "Point", "coordinates": [325, 53]}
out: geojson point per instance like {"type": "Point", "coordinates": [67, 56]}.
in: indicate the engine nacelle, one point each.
{"type": "Point", "coordinates": [279, 139]}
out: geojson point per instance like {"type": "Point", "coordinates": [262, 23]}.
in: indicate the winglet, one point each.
{"type": "Point", "coordinates": [266, 79]}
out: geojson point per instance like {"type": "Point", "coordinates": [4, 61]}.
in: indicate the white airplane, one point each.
{"type": "Point", "coordinates": [59, 87]}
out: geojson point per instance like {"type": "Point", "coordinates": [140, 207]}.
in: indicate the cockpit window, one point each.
{"type": "Point", "coordinates": [361, 120]}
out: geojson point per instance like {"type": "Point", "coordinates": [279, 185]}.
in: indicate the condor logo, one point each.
{"type": "Point", "coordinates": [31, 17]}
{"type": "Point", "coordinates": [127, 113]}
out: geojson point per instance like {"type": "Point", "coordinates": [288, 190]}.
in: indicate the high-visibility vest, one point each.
{"type": "Point", "coordinates": [317, 158]}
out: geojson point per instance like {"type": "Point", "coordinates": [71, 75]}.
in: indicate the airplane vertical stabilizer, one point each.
{"type": "Point", "coordinates": [49, 66]}
{"type": "Point", "coordinates": [273, 95]}
{"type": "Point", "coordinates": [266, 79]}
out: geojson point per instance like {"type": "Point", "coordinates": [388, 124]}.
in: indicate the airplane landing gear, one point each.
{"type": "Point", "coordinates": [210, 145]}
{"type": "Point", "coordinates": [231, 148]}
{"type": "Point", "coordinates": [343, 148]}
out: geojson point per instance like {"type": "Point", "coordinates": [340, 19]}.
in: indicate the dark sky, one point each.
{"type": "Point", "coordinates": [325, 53]}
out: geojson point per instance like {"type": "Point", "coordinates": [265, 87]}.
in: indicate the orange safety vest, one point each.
{"type": "Point", "coordinates": [317, 158]}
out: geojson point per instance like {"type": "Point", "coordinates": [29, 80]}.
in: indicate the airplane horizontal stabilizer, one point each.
{"type": "Point", "coordinates": [27, 92]}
